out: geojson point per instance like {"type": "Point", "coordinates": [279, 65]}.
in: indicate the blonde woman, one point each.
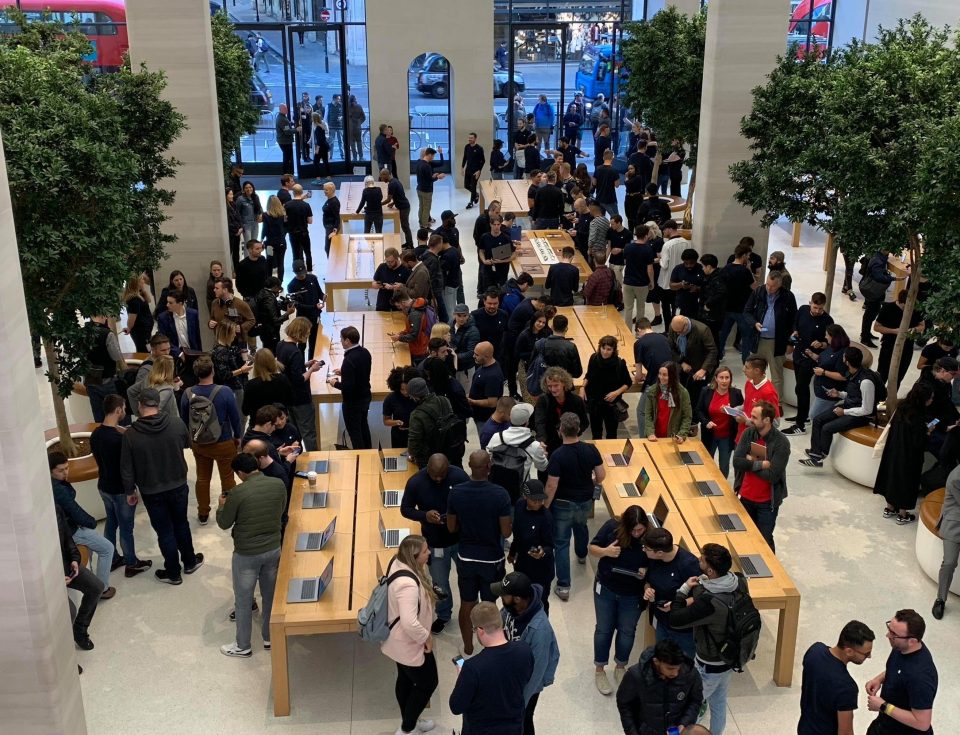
{"type": "Point", "coordinates": [655, 294]}
{"type": "Point", "coordinates": [410, 602]}
{"type": "Point", "coordinates": [268, 384]}
{"type": "Point", "coordinates": [136, 296]}
{"type": "Point", "coordinates": [163, 378]}
{"type": "Point", "coordinates": [274, 235]}
{"type": "Point", "coordinates": [298, 373]}
{"type": "Point", "coordinates": [230, 367]}
{"type": "Point", "coordinates": [371, 204]}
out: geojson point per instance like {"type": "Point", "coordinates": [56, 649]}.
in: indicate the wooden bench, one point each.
{"type": "Point", "coordinates": [852, 454]}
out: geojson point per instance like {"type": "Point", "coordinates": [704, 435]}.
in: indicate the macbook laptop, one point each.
{"type": "Point", "coordinates": [729, 521]}
{"type": "Point", "coordinates": [501, 252]}
{"type": "Point", "coordinates": [320, 466]}
{"type": "Point", "coordinates": [622, 459]}
{"type": "Point", "coordinates": [709, 488]}
{"type": "Point", "coordinates": [310, 589]}
{"type": "Point", "coordinates": [752, 565]}
{"type": "Point", "coordinates": [636, 488]}
{"type": "Point", "coordinates": [312, 541]}
{"type": "Point", "coordinates": [394, 464]}
{"type": "Point", "coordinates": [688, 457]}
{"type": "Point", "coordinates": [315, 500]}
{"type": "Point", "coordinates": [391, 537]}
{"type": "Point", "coordinates": [391, 498]}
{"type": "Point", "coordinates": [659, 515]}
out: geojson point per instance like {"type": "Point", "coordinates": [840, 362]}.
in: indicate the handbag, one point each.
{"type": "Point", "coordinates": [872, 290]}
{"type": "Point", "coordinates": [622, 410]}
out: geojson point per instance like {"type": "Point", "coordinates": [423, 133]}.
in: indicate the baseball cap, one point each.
{"type": "Point", "coordinates": [533, 489]}
{"type": "Point", "coordinates": [447, 214]}
{"type": "Point", "coordinates": [520, 414]}
{"type": "Point", "coordinates": [461, 309]}
{"type": "Point", "coordinates": [149, 397]}
{"type": "Point", "coordinates": [516, 584]}
{"type": "Point", "coordinates": [299, 266]}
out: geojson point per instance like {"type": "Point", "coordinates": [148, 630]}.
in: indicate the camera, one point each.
{"type": "Point", "coordinates": [285, 302]}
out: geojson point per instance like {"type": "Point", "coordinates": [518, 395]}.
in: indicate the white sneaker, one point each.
{"type": "Point", "coordinates": [425, 725]}
{"type": "Point", "coordinates": [232, 649]}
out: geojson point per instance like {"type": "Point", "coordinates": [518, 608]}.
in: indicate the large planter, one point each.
{"type": "Point", "coordinates": [78, 403]}
{"type": "Point", "coordinates": [83, 471]}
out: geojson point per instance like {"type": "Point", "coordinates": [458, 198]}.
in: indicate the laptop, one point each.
{"type": "Point", "coordinates": [320, 466]}
{"type": "Point", "coordinates": [391, 537]}
{"type": "Point", "coordinates": [636, 488]}
{"type": "Point", "coordinates": [394, 464]}
{"type": "Point", "coordinates": [622, 459]}
{"type": "Point", "coordinates": [313, 541]}
{"type": "Point", "coordinates": [309, 589]}
{"type": "Point", "coordinates": [709, 488]}
{"type": "Point", "coordinates": [752, 565]}
{"type": "Point", "coordinates": [315, 500]}
{"type": "Point", "coordinates": [688, 457]}
{"type": "Point", "coordinates": [391, 498]}
{"type": "Point", "coordinates": [729, 521]}
{"type": "Point", "coordinates": [659, 515]}
{"type": "Point", "coordinates": [501, 252]}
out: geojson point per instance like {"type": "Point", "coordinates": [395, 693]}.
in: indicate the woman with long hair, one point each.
{"type": "Point", "coordinates": [666, 406]}
{"type": "Point", "coordinates": [321, 148]}
{"type": "Point", "coordinates": [136, 296]}
{"type": "Point", "coordinates": [829, 370]}
{"type": "Point", "coordinates": [411, 602]}
{"type": "Point", "coordinates": [230, 369]}
{"type": "Point", "coordinates": [717, 428]}
{"type": "Point", "coordinates": [655, 294]}
{"type": "Point", "coordinates": [618, 597]}
{"type": "Point", "coordinates": [251, 211]}
{"type": "Point", "coordinates": [298, 373]}
{"type": "Point", "coordinates": [163, 378]}
{"type": "Point", "coordinates": [234, 225]}
{"type": "Point", "coordinates": [178, 282]}
{"type": "Point", "coordinates": [584, 182]}
{"type": "Point", "coordinates": [633, 196]}
{"type": "Point", "coordinates": [371, 204]}
{"type": "Point", "coordinates": [216, 271]}
{"type": "Point", "coordinates": [901, 464]}
{"type": "Point", "coordinates": [268, 384]}
{"type": "Point", "coordinates": [398, 405]}
{"type": "Point", "coordinates": [538, 328]}
{"type": "Point", "coordinates": [607, 379]}
{"type": "Point", "coordinates": [274, 234]}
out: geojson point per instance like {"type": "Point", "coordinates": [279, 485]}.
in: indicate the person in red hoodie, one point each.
{"type": "Point", "coordinates": [758, 388]}
{"type": "Point", "coordinates": [419, 323]}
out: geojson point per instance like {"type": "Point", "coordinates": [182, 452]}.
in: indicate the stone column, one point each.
{"type": "Point", "coordinates": [39, 686]}
{"type": "Point", "coordinates": [732, 67]}
{"type": "Point", "coordinates": [174, 36]}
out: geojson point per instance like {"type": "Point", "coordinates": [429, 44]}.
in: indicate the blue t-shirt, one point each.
{"type": "Point", "coordinates": [479, 505]}
{"type": "Point", "coordinates": [573, 464]}
{"type": "Point", "coordinates": [910, 683]}
{"type": "Point", "coordinates": [487, 383]}
{"type": "Point", "coordinates": [666, 577]}
{"type": "Point", "coordinates": [637, 256]}
{"type": "Point", "coordinates": [827, 689]}
{"type": "Point", "coordinates": [631, 557]}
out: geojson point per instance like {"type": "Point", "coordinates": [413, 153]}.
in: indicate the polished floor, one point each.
{"type": "Point", "coordinates": [157, 669]}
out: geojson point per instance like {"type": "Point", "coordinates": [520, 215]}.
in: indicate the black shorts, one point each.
{"type": "Point", "coordinates": [474, 579]}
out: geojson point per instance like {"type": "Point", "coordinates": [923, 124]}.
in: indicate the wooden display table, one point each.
{"type": "Point", "coordinates": [352, 262]}
{"type": "Point", "coordinates": [350, 193]}
{"type": "Point", "coordinates": [511, 193]}
{"type": "Point", "coordinates": [528, 261]}
{"type": "Point", "coordinates": [606, 321]}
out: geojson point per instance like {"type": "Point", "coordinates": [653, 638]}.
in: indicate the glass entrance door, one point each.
{"type": "Point", "coordinates": [533, 83]}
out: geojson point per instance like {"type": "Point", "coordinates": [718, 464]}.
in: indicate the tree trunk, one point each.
{"type": "Point", "coordinates": [657, 160]}
{"type": "Point", "coordinates": [688, 210]}
{"type": "Point", "coordinates": [831, 270]}
{"type": "Point", "coordinates": [904, 323]}
{"type": "Point", "coordinates": [59, 409]}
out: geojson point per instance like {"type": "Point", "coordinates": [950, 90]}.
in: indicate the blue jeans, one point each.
{"type": "Point", "coordinates": [120, 516]}
{"type": "Point", "coordinates": [569, 517]}
{"type": "Point", "coordinates": [822, 405]}
{"type": "Point", "coordinates": [611, 207]}
{"type": "Point", "coordinates": [619, 613]}
{"type": "Point", "coordinates": [168, 516]}
{"type": "Point", "coordinates": [96, 394]}
{"type": "Point", "coordinates": [725, 446]}
{"type": "Point", "coordinates": [683, 638]}
{"type": "Point", "coordinates": [440, 573]}
{"type": "Point", "coordinates": [101, 547]}
{"type": "Point", "coordinates": [247, 571]}
{"type": "Point", "coordinates": [715, 694]}
{"type": "Point", "coordinates": [747, 332]}
{"type": "Point", "coordinates": [765, 517]}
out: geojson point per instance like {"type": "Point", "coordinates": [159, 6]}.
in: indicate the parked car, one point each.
{"type": "Point", "coordinates": [260, 95]}
{"type": "Point", "coordinates": [433, 79]}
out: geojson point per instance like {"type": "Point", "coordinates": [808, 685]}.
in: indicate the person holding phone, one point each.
{"type": "Point", "coordinates": [80, 579]}
{"type": "Point", "coordinates": [670, 566]}
{"type": "Point", "coordinates": [531, 550]}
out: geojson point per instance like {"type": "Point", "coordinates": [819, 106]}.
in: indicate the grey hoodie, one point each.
{"type": "Point", "coordinates": [706, 615]}
{"type": "Point", "coordinates": [151, 455]}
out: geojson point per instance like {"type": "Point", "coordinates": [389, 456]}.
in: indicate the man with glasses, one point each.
{"type": "Point", "coordinates": [829, 694]}
{"type": "Point", "coordinates": [903, 693]}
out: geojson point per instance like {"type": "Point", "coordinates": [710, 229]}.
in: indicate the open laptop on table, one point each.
{"type": "Point", "coordinates": [391, 537]}
{"type": "Point", "coordinates": [309, 589]}
{"type": "Point", "coordinates": [390, 498]}
{"type": "Point", "coordinates": [394, 464]}
{"type": "Point", "coordinates": [752, 565]}
{"type": "Point", "coordinates": [312, 541]}
{"type": "Point", "coordinates": [659, 515]}
{"type": "Point", "coordinates": [636, 488]}
{"type": "Point", "coordinates": [728, 521]}
{"type": "Point", "coordinates": [623, 458]}
{"type": "Point", "coordinates": [687, 458]}
{"type": "Point", "coordinates": [315, 500]}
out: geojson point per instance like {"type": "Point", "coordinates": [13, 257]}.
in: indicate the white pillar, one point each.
{"type": "Point", "coordinates": [732, 68]}
{"type": "Point", "coordinates": [39, 686]}
{"type": "Point", "coordinates": [174, 36]}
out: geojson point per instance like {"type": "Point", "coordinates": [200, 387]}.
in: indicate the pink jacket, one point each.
{"type": "Point", "coordinates": [405, 644]}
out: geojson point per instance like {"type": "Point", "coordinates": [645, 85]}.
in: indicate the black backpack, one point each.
{"type": "Point", "coordinates": [449, 433]}
{"type": "Point", "coordinates": [509, 464]}
{"type": "Point", "coordinates": [743, 626]}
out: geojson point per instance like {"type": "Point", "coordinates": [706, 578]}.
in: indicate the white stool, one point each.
{"type": "Point", "coordinates": [789, 396]}
{"type": "Point", "coordinates": [852, 455]}
{"type": "Point", "coordinates": [929, 546]}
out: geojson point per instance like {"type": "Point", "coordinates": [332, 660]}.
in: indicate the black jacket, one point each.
{"type": "Point", "coordinates": [354, 382]}
{"type": "Point", "coordinates": [701, 412]}
{"type": "Point", "coordinates": [546, 422]}
{"type": "Point", "coordinates": [713, 295]}
{"type": "Point", "coordinates": [784, 311]}
{"type": "Point", "coordinates": [68, 548]}
{"type": "Point", "coordinates": [560, 352]}
{"type": "Point", "coordinates": [649, 705]}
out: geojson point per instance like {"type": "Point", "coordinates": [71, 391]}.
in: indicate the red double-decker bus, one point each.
{"type": "Point", "coordinates": [104, 22]}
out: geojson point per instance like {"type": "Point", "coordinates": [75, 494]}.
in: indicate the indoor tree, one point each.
{"type": "Point", "coordinates": [664, 56]}
{"type": "Point", "coordinates": [234, 77]}
{"type": "Point", "coordinates": [85, 154]}
{"type": "Point", "coordinates": [880, 163]}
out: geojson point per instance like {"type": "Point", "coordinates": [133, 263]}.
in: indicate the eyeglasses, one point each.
{"type": "Point", "coordinates": [891, 634]}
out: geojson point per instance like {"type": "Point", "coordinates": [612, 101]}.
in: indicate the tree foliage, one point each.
{"type": "Point", "coordinates": [234, 76]}
{"type": "Point", "coordinates": [665, 58]}
{"type": "Point", "coordinates": [864, 146]}
{"type": "Point", "coordinates": [85, 157]}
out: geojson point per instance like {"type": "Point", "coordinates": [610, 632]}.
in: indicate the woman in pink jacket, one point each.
{"type": "Point", "coordinates": [410, 610]}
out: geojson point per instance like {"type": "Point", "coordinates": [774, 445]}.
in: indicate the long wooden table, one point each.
{"type": "Point", "coordinates": [353, 486]}
{"type": "Point", "coordinates": [352, 262]}
{"type": "Point", "coordinates": [604, 321]}
{"type": "Point", "coordinates": [350, 193]}
{"type": "Point", "coordinates": [511, 193]}
{"type": "Point", "coordinates": [528, 261]}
